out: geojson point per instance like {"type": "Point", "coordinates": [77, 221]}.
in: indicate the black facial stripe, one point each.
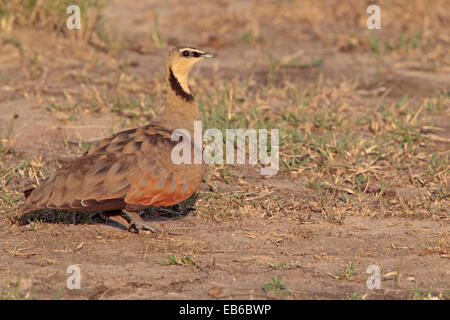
{"type": "Point", "coordinates": [191, 53]}
{"type": "Point", "coordinates": [175, 85]}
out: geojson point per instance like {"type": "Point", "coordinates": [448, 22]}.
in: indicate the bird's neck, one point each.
{"type": "Point", "coordinates": [180, 108]}
{"type": "Point", "coordinates": [177, 86]}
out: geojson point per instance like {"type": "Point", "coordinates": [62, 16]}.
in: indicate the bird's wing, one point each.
{"type": "Point", "coordinates": [132, 166]}
{"type": "Point", "coordinates": [84, 184]}
{"type": "Point", "coordinates": [157, 180]}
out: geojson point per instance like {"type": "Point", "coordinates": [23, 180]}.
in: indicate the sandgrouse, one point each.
{"type": "Point", "coordinates": [132, 170]}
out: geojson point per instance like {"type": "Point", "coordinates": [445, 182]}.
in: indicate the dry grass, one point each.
{"type": "Point", "coordinates": [351, 147]}
{"type": "Point", "coordinates": [50, 15]}
{"type": "Point", "coordinates": [415, 30]}
{"type": "Point", "coordinates": [349, 159]}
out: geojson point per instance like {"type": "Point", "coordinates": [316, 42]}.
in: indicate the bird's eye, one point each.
{"type": "Point", "coordinates": [186, 53]}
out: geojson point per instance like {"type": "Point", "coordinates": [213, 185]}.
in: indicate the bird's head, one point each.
{"type": "Point", "coordinates": [182, 59]}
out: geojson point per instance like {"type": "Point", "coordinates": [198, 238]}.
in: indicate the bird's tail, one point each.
{"type": "Point", "coordinates": [27, 192]}
{"type": "Point", "coordinates": [25, 207]}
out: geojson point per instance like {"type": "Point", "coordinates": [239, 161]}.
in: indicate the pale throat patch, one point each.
{"type": "Point", "coordinates": [181, 71]}
{"type": "Point", "coordinates": [183, 83]}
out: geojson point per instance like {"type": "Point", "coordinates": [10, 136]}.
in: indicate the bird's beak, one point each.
{"type": "Point", "coordinates": [206, 55]}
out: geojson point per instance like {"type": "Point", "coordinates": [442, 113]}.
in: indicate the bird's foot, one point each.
{"type": "Point", "coordinates": [137, 224]}
{"type": "Point", "coordinates": [176, 210]}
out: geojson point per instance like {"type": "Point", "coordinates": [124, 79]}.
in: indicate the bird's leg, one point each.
{"type": "Point", "coordinates": [176, 210]}
{"type": "Point", "coordinates": [118, 219]}
{"type": "Point", "coordinates": [173, 212]}
{"type": "Point", "coordinates": [137, 224]}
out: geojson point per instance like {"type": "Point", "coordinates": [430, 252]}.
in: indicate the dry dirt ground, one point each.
{"type": "Point", "coordinates": [365, 135]}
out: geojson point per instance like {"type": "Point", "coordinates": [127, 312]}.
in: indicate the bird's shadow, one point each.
{"type": "Point", "coordinates": [76, 217]}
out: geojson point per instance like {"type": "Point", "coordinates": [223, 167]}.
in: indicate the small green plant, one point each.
{"type": "Point", "coordinates": [420, 294]}
{"type": "Point", "coordinates": [284, 265]}
{"type": "Point", "coordinates": [110, 37]}
{"type": "Point", "coordinates": [276, 286]}
{"type": "Point", "coordinates": [374, 44]}
{"type": "Point", "coordinates": [11, 291]}
{"type": "Point", "coordinates": [156, 34]}
{"type": "Point", "coordinates": [252, 35]}
{"type": "Point", "coordinates": [355, 296]}
{"type": "Point", "coordinates": [34, 67]}
{"type": "Point", "coordinates": [250, 38]}
{"type": "Point", "coordinates": [174, 261]}
{"type": "Point", "coordinates": [3, 76]}
{"type": "Point", "coordinates": [58, 294]}
{"type": "Point", "coordinates": [346, 272]}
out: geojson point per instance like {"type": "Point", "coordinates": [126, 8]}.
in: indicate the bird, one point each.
{"type": "Point", "coordinates": [132, 170]}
